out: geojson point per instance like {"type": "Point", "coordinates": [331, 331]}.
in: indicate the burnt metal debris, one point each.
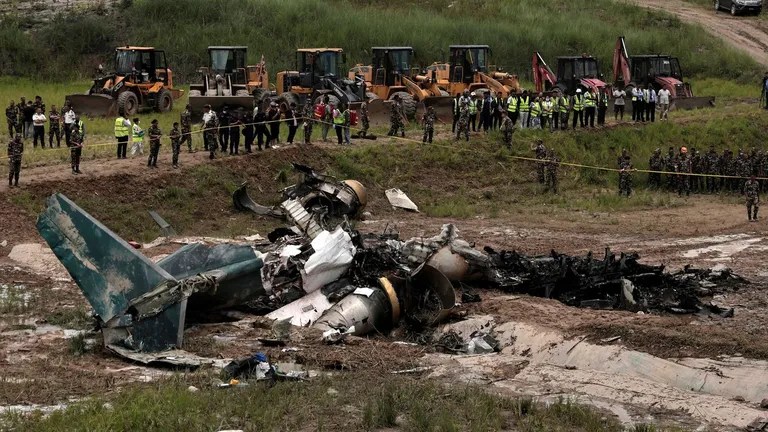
{"type": "Point", "coordinates": [336, 279]}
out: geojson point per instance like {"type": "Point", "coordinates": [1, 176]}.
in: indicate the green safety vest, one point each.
{"type": "Point", "coordinates": [472, 107]}
{"type": "Point", "coordinates": [578, 103]}
{"type": "Point", "coordinates": [121, 130]}
{"type": "Point", "coordinates": [339, 119]}
{"type": "Point", "coordinates": [524, 101]}
{"type": "Point", "coordinates": [563, 104]}
{"type": "Point", "coordinates": [137, 137]}
{"type": "Point", "coordinates": [590, 100]}
{"type": "Point", "coordinates": [512, 101]}
{"type": "Point", "coordinates": [535, 109]}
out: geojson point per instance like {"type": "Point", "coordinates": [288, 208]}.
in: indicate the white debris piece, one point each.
{"type": "Point", "coordinates": [333, 255]}
{"type": "Point", "coordinates": [399, 199]}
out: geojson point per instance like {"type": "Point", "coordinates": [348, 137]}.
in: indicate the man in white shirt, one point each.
{"type": "Point", "coordinates": [637, 104]}
{"type": "Point", "coordinates": [618, 103]}
{"type": "Point", "coordinates": [650, 104]}
{"type": "Point", "coordinates": [664, 103]}
{"type": "Point", "coordinates": [69, 120]}
{"type": "Point", "coordinates": [38, 122]}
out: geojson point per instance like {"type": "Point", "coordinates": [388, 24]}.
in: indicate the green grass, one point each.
{"type": "Point", "coordinates": [512, 28]}
{"type": "Point", "coordinates": [14, 299]}
{"type": "Point", "coordinates": [362, 403]}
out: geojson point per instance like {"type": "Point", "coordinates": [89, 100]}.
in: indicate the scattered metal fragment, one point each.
{"type": "Point", "coordinates": [165, 228]}
{"type": "Point", "coordinates": [399, 199]}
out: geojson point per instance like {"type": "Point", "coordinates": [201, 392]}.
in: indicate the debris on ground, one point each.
{"type": "Point", "coordinates": [399, 199]}
{"type": "Point", "coordinates": [339, 281]}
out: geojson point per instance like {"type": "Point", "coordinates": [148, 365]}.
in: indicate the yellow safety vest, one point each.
{"type": "Point", "coordinates": [339, 119]}
{"type": "Point", "coordinates": [121, 130]}
{"type": "Point", "coordinates": [136, 135]}
{"type": "Point", "coordinates": [546, 107]}
{"type": "Point", "coordinates": [590, 100]}
{"type": "Point", "coordinates": [563, 104]}
{"type": "Point", "coordinates": [524, 102]}
{"type": "Point", "coordinates": [535, 109]}
{"type": "Point", "coordinates": [512, 104]}
{"type": "Point", "coordinates": [472, 107]}
{"type": "Point", "coordinates": [578, 103]}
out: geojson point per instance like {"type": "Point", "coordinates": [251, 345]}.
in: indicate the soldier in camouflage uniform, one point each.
{"type": "Point", "coordinates": [752, 192]}
{"type": "Point", "coordinates": [15, 151]}
{"type": "Point", "coordinates": [551, 172]}
{"type": "Point", "coordinates": [175, 143]}
{"type": "Point", "coordinates": [655, 163]}
{"type": "Point", "coordinates": [186, 127]}
{"type": "Point", "coordinates": [625, 176]}
{"type": "Point", "coordinates": [364, 119]}
{"type": "Point", "coordinates": [683, 167]}
{"type": "Point", "coordinates": [12, 117]}
{"type": "Point", "coordinates": [154, 144]}
{"type": "Point", "coordinates": [75, 147]}
{"type": "Point", "coordinates": [743, 170]}
{"type": "Point", "coordinates": [541, 154]}
{"type": "Point", "coordinates": [697, 186]}
{"type": "Point", "coordinates": [308, 113]}
{"type": "Point", "coordinates": [724, 165]}
{"type": "Point", "coordinates": [712, 168]}
{"type": "Point", "coordinates": [507, 129]}
{"type": "Point", "coordinates": [670, 164]}
{"type": "Point", "coordinates": [428, 121]}
{"type": "Point", "coordinates": [396, 118]}
{"type": "Point", "coordinates": [210, 125]}
{"type": "Point", "coordinates": [54, 129]}
{"type": "Point", "coordinates": [463, 123]}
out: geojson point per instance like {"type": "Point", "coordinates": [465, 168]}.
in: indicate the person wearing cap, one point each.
{"type": "Point", "coordinates": [655, 163]}
{"type": "Point", "coordinates": [712, 169]}
{"type": "Point", "coordinates": [138, 138]}
{"type": "Point", "coordinates": [273, 116]}
{"type": "Point", "coordinates": [154, 143]}
{"type": "Point", "coordinates": [752, 193]}
{"type": "Point", "coordinates": [308, 116]}
{"type": "Point", "coordinates": [507, 129]}
{"type": "Point", "coordinates": [683, 173]}
{"type": "Point", "coordinates": [175, 137]}
{"type": "Point", "coordinates": [553, 162]}
{"type": "Point", "coordinates": [122, 132]}
{"type": "Point", "coordinates": [577, 101]}
{"type": "Point", "coordinates": [76, 140]}
{"type": "Point", "coordinates": [625, 173]}
{"type": "Point", "coordinates": [15, 152]}
{"type": "Point", "coordinates": [541, 154]}
{"type": "Point", "coordinates": [428, 122]}
{"type": "Point", "coordinates": [210, 125]}
{"type": "Point", "coordinates": [463, 124]}
{"type": "Point", "coordinates": [670, 166]}
{"type": "Point", "coordinates": [396, 122]}
{"type": "Point", "coordinates": [472, 106]}
{"type": "Point", "coordinates": [185, 118]}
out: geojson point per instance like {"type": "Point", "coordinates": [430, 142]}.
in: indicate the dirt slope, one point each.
{"type": "Point", "coordinates": [745, 33]}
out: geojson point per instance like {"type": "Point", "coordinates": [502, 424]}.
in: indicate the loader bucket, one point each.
{"type": "Point", "coordinates": [690, 103]}
{"type": "Point", "coordinates": [93, 105]}
{"type": "Point", "coordinates": [443, 107]}
{"type": "Point", "coordinates": [243, 202]}
{"type": "Point", "coordinates": [379, 112]}
{"type": "Point", "coordinates": [218, 102]}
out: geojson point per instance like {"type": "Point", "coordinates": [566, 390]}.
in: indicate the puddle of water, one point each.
{"type": "Point", "coordinates": [723, 251]}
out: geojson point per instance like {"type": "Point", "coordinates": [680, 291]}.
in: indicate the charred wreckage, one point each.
{"type": "Point", "coordinates": [322, 273]}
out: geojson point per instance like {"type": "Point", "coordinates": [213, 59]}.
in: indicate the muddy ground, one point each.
{"type": "Point", "coordinates": [42, 307]}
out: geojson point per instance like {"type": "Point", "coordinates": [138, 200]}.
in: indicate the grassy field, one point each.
{"type": "Point", "coordinates": [275, 28]}
{"type": "Point", "coordinates": [348, 402]}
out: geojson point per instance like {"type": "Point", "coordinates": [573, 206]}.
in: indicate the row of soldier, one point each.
{"type": "Point", "coordinates": [29, 120]}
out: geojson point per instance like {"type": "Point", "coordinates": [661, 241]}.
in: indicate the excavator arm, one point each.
{"type": "Point", "coordinates": [542, 73]}
{"type": "Point", "coordinates": [621, 70]}
{"type": "Point", "coordinates": [414, 89]}
{"type": "Point", "coordinates": [494, 85]}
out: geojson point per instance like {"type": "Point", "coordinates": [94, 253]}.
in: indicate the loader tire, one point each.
{"type": "Point", "coordinates": [258, 96]}
{"type": "Point", "coordinates": [409, 104]}
{"type": "Point", "coordinates": [286, 99]}
{"type": "Point", "coordinates": [128, 103]}
{"type": "Point", "coordinates": [164, 101]}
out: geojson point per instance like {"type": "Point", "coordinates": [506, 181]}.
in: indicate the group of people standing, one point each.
{"type": "Point", "coordinates": [645, 101]}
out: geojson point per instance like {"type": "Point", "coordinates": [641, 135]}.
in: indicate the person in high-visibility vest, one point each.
{"type": "Point", "coordinates": [338, 123]}
{"type": "Point", "coordinates": [524, 109]}
{"type": "Point", "coordinates": [535, 114]}
{"type": "Point", "coordinates": [456, 111]}
{"type": "Point", "coordinates": [512, 107]}
{"type": "Point", "coordinates": [473, 111]}
{"type": "Point", "coordinates": [559, 106]}
{"type": "Point", "coordinates": [138, 139]}
{"type": "Point", "coordinates": [122, 132]}
{"type": "Point", "coordinates": [590, 107]}
{"type": "Point", "coordinates": [578, 108]}
{"type": "Point", "coordinates": [546, 113]}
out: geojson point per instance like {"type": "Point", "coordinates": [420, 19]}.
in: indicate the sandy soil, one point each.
{"type": "Point", "coordinates": [744, 33]}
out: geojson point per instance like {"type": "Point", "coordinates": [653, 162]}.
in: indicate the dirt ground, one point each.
{"type": "Point", "coordinates": [37, 365]}
{"type": "Point", "coordinates": [747, 34]}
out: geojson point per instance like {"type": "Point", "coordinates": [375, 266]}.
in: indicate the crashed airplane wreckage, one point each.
{"type": "Point", "coordinates": [338, 281]}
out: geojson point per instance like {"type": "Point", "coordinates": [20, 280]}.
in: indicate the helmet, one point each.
{"type": "Point", "coordinates": [578, 90]}
{"type": "Point", "coordinates": [473, 94]}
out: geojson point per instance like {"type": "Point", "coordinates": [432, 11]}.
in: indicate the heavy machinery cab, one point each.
{"type": "Point", "coordinates": [134, 66]}
{"type": "Point", "coordinates": [389, 64]}
{"type": "Point", "coordinates": [315, 65]}
{"type": "Point", "coordinates": [228, 60]}
{"type": "Point", "coordinates": [319, 72]}
{"type": "Point", "coordinates": [466, 60]}
{"type": "Point", "coordinates": [578, 72]}
{"type": "Point", "coordinates": [647, 68]}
